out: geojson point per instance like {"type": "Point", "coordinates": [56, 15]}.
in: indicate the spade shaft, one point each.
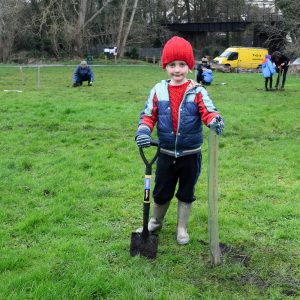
{"type": "Point", "coordinates": [145, 243]}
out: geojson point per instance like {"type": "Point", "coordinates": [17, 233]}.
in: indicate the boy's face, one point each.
{"type": "Point", "coordinates": [177, 70]}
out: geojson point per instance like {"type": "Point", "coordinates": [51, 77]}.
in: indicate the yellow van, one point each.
{"type": "Point", "coordinates": [241, 57]}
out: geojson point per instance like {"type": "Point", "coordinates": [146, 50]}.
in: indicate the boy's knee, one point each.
{"type": "Point", "coordinates": [186, 200]}
{"type": "Point", "coordinates": [161, 201]}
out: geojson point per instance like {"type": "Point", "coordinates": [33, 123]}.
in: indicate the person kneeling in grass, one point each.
{"type": "Point", "coordinates": [83, 72]}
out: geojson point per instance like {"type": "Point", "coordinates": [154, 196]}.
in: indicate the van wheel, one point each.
{"type": "Point", "coordinates": [227, 68]}
{"type": "Point", "coordinates": [258, 68]}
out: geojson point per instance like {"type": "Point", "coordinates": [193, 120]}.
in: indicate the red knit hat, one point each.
{"type": "Point", "coordinates": [177, 48]}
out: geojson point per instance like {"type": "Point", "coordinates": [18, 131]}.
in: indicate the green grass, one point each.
{"type": "Point", "coordinates": [72, 188]}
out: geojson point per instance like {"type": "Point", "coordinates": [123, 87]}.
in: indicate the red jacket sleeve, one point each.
{"type": "Point", "coordinates": [147, 118]}
{"type": "Point", "coordinates": [206, 107]}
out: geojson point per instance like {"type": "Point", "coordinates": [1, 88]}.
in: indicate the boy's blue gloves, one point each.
{"type": "Point", "coordinates": [217, 124]}
{"type": "Point", "coordinates": [143, 136]}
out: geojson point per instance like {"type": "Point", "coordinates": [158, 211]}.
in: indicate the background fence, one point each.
{"type": "Point", "coordinates": [16, 78]}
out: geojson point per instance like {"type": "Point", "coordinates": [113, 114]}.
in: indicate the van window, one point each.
{"type": "Point", "coordinates": [225, 54]}
{"type": "Point", "coordinates": [233, 56]}
{"type": "Point", "coordinates": [230, 55]}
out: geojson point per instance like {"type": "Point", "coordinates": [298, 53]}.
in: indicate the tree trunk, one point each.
{"type": "Point", "coordinates": [9, 25]}
{"type": "Point", "coordinates": [80, 27]}
{"type": "Point", "coordinates": [97, 12]}
{"type": "Point", "coordinates": [128, 28]}
{"type": "Point", "coordinates": [82, 24]}
{"type": "Point", "coordinates": [188, 10]}
{"type": "Point", "coordinates": [150, 12]}
{"type": "Point", "coordinates": [121, 24]}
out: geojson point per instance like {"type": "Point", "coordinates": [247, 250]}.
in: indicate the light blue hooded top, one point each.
{"type": "Point", "coordinates": [267, 67]}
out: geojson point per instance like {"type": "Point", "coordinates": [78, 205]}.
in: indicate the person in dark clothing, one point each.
{"type": "Point", "coordinates": [83, 72]}
{"type": "Point", "coordinates": [204, 72]}
{"type": "Point", "coordinates": [282, 65]}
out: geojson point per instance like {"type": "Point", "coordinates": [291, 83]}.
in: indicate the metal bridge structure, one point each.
{"type": "Point", "coordinates": [224, 25]}
{"type": "Point", "coordinates": [198, 31]}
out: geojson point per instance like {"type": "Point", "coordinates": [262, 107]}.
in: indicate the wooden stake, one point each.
{"type": "Point", "coordinates": [22, 74]}
{"type": "Point", "coordinates": [38, 77]}
{"type": "Point", "coordinates": [213, 227]}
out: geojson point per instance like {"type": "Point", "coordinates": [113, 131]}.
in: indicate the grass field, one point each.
{"type": "Point", "coordinates": [71, 191]}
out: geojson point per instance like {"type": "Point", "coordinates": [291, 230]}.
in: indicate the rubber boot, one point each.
{"type": "Point", "coordinates": [183, 214]}
{"type": "Point", "coordinates": [158, 214]}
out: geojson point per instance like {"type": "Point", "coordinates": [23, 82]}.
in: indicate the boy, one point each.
{"type": "Point", "coordinates": [268, 70]}
{"type": "Point", "coordinates": [178, 106]}
{"type": "Point", "coordinates": [83, 72]}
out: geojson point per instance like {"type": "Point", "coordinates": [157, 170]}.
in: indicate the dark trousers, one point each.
{"type": "Point", "coordinates": [199, 76]}
{"type": "Point", "coordinates": [83, 78]}
{"type": "Point", "coordinates": [266, 82]}
{"type": "Point", "coordinates": [284, 70]}
{"type": "Point", "coordinates": [200, 79]}
{"type": "Point", "coordinates": [183, 170]}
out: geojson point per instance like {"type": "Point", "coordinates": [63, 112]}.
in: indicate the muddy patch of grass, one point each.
{"type": "Point", "coordinates": [288, 285]}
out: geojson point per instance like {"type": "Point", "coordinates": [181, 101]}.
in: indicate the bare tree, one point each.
{"type": "Point", "coordinates": [9, 25]}
{"type": "Point", "coordinates": [291, 24]}
{"type": "Point", "coordinates": [188, 10]}
{"type": "Point", "coordinates": [83, 21]}
{"type": "Point", "coordinates": [121, 25]}
{"type": "Point", "coordinates": [284, 34]}
{"type": "Point", "coordinates": [122, 47]}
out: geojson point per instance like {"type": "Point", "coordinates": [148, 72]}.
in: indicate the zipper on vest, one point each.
{"type": "Point", "coordinates": [178, 133]}
{"type": "Point", "coordinates": [184, 98]}
{"type": "Point", "coordinates": [177, 153]}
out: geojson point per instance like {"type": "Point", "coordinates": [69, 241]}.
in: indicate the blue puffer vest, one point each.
{"type": "Point", "coordinates": [189, 138]}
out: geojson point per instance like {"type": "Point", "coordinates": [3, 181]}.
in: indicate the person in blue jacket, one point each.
{"type": "Point", "coordinates": [83, 72]}
{"type": "Point", "coordinates": [268, 71]}
{"type": "Point", "coordinates": [204, 72]}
